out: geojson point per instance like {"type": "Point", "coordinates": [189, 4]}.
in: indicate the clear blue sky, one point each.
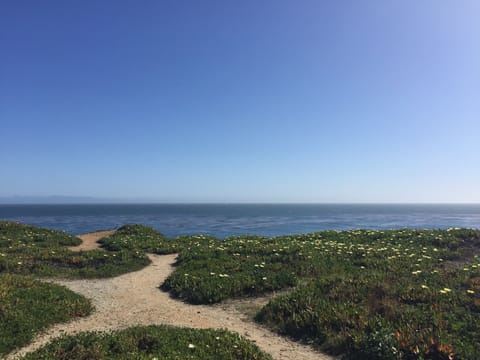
{"type": "Point", "coordinates": [241, 101]}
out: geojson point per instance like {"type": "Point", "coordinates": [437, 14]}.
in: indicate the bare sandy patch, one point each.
{"type": "Point", "coordinates": [90, 240]}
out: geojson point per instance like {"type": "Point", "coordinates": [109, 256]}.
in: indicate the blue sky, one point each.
{"type": "Point", "coordinates": [241, 101]}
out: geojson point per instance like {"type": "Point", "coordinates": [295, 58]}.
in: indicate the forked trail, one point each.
{"type": "Point", "coordinates": [135, 299]}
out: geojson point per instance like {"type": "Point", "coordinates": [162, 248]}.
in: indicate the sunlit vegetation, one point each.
{"type": "Point", "coordinates": [405, 294]}
{"type": "Point", "coordinates": [28, 306]}
{"type": "Point", "coordinates": [360, 294]}
{"type": "Point", "coordinates": [211, 270]}
{"type": "Point", "coordinates": [140, 238]}
{"type": "Point", "coordinates": [152, 342]}
{"type": "Point", "coordinates": [29, 250]}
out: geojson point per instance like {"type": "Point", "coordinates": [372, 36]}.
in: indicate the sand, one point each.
{"type": "Point", "coordinates": [90, 240]}
{"type": "Point", "coordinates": [135, 299]}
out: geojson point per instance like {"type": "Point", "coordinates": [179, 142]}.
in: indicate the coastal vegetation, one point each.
{"type": "Point", "coordinates": [152, 342]}
{"type": "Point", "coordinates": [386, 295]}
{"type": "Point", "coordinates": [360, 294]}
{"type": "Point", "coordinates": [404, 294]}
{"type": "Point", "coordinates": [28, 306]}
{"type": "Point", "coordinates": [30, 250]}
{"type": "Point", "coordinates": [142, 239]}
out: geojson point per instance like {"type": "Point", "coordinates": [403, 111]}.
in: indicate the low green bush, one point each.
{"type": "Point", "coordinates": [395, 297]}
{"type": "Point", "coordinates": [28, 306]}
{"type": "Point", "coordinates": [142, 238]}
{"type": "Point", "coordinates": [219, 269]}
{"type": "Point", "coordinates": [30, 250]}
{"type": "Point", "coordinates": [152, 342]}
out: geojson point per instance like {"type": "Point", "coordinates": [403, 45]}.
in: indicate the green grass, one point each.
{"type": "Point", "coordinates": [28, 306]}
{"type": "Point", "coordinates": [152, 342]}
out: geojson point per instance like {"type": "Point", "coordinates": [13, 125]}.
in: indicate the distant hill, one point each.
{"type": "Point", "coordinates": [52, 199]}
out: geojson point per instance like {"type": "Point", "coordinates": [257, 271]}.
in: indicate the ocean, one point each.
{"type": "Point", "coordinates": [223, 220]}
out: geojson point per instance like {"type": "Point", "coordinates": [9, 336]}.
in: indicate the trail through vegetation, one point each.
{"type": "Point", "coordinates": [135, 299]}
{"type": "Point", "coordinates": [90, 240]}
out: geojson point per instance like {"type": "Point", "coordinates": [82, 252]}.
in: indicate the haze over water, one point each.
{"type": "Point", "coordinates": [223, 220]}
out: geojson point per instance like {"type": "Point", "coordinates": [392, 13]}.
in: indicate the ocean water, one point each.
{"type": "Point", "coordinates": [236, 219]}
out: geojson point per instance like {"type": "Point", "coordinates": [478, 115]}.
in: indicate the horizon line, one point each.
{"type": "Point", "coordinates": [135, 202]}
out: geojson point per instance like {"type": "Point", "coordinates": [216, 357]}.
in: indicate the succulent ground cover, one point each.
{"type": "Point", "coordinates": [402, 294]}
{"type": "Point", "coordinates": [30, 250]}
{"type": "Point", "coordinates": [28, 306]}
{"type": "Point", "coordinates": [211, 270]}
{"type": "Point", "coordinates": [405, 294]}
{"type": "Point", "coordinates": [141, 239]}
{"type": "Point", "coordinates": [152, 342]}
{"type": "Point", "coordinates": [396, 297]}
{"type": "Point", "coordinates": [220, 269]}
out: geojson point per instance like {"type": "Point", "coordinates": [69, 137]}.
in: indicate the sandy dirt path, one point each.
{"type": "Point", "coordinates": [90, 240]}
{"type": "Point", "coordinates": [135, 299]}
